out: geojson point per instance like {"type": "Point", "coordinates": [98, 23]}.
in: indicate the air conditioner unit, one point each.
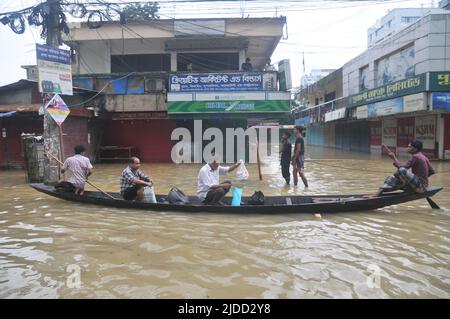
{"type": "Point", "coordinates": [154, 85]}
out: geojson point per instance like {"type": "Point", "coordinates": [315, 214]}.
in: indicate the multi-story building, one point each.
{"type": "Point", "coordinates": [395, 21]}
{"type": "Point", "coordinates": [393, 92]}
{"type": "Point", "coordinates": [164, 74]}
{"type": "Point", "coordinates": [147, 78]}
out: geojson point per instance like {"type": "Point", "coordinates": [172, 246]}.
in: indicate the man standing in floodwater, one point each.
{"type": "Point", "coordinates": [298, 160]}
{"type": "Point", "coordinates": [286, 153]}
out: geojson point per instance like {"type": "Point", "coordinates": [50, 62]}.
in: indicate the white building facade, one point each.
{"type": "Point", "coordinates": [395, 21]}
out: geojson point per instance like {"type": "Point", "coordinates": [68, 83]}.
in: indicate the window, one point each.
{"type": "Point", "coordinates": [409, 19]}
{"type": "Point", "coordinates": [204, 62]}
{"type": "Point", "coordinates": [140, 63]}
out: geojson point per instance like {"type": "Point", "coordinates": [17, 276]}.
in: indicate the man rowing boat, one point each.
{"type": "Point", "coordinates": [415, 179]}
{"type": "Point", "coordinates": [78, 167]}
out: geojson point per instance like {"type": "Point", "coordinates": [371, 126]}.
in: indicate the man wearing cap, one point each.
{"type": "Point", "coordinates": [209, 189]}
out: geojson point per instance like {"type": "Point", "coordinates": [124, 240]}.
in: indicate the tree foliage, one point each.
{"type": "Point", "coordinates": [141, 12]}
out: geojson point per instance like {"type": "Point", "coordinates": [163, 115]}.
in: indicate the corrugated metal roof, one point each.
{"type": "Point", "coordinates": [20, 107]}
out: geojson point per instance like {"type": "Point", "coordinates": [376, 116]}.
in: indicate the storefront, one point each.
{"type": "Point", "coordinates": [146, 134]}
{"type": "Point", "coordinates": [441, 103]}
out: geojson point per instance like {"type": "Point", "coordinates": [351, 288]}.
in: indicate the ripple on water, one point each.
{"type": "Point", "coordinates": [141, 254]}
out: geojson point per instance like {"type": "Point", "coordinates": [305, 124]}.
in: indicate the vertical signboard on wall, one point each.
{"type": "Point", "coordinates": [284, 70]}
{"type": "Point", "coordinates": [426, 131]}
{"type": "Point", "coordinates": [389, 131]}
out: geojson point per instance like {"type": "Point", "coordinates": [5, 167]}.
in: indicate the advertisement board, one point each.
{"type": "Point", "coordinates": [54, 70]}
{"type": "Point", "coordinates": [386, 107]}
{"type": "Point", "coordinates": [440, 101]}
{"type": "Point", "coordinates": [389, 91]}
{"type": "Point", "coordinates": [284, 68]}
{"type": "Point", "coordinates": [222, 106]}
{"type": "Point", "coordinates": [414, 102]}
{"type": "Point", "coordinates": [439, 81]}
{"type": "Point", "coordinates": [425, 131]}
{"type": "Point", "coordinates": [362, 112]}
{"type": "Point", "coordinates": [213, 82]}
{"type": "Point", "coordinates": [335, 115]}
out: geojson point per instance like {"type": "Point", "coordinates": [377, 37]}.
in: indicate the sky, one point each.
{"type": "Point", "coordinates": [326, 33]}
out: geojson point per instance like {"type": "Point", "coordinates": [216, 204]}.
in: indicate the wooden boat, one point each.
{"type": "Point", "coordinates": [272, 204]}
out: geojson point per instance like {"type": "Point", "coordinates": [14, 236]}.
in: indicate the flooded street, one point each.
{"type": "Point", "coordinates": [45, 242]}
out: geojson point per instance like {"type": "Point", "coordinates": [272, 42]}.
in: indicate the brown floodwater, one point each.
{"type": "Point", "coordinates": [50, 248]}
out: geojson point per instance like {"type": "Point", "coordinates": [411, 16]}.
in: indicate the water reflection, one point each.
{"type": "Point", "coordinates": [143, 254]}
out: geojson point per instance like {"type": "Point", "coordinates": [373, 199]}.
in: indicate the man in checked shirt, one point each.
{"type": "Point", "coordinates": [133, 181]}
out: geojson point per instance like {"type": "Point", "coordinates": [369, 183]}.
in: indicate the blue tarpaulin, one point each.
{"type": "Point", "coordinates": [7, 114]}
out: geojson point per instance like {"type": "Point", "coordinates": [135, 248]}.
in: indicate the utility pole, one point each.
{"type": "Point", "coordinates": [52, 131]}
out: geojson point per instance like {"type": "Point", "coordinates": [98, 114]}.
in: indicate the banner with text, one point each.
{"type": "Point", "coordinates": [54, 70]}
{"type": "Point", "coordinates": [201, 82]}
{"type": "Point", "coordinates": [228, 106]}
{"type": "Point", "coordinates": [426, 131]}
{"type": "Point", "coordinates": [441, 101]}
{"type": "Point", "coordinates": [439, 81]}
{"type": "Point", "coordinates": [387, 107]}
{"type": "Point", "coordinates": [404, 87]}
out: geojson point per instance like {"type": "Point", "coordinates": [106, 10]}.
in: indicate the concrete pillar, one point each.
{"type": "Point", "coordinates": [173, 62]}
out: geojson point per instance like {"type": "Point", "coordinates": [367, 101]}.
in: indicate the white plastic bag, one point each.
{"type": "Point", "coordinates": [149, 195]}
{"type": "Point", "coordinates": [241, 173]}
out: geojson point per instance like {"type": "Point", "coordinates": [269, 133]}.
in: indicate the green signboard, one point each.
{"type": "Point", "coordinates": [439, 81]}
{"type": "Point", "coordinates": [247, 106]}
{"type": "Point", "coordinates": [396, 89]}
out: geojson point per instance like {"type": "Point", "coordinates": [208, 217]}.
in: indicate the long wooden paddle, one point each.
{"type": "Point", "coordinates": [429, 200]}
{"type": "Point", "coordinates": [88, 182]}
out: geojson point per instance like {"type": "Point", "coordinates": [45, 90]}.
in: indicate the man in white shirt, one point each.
{"type": "Point", "coordinates": [269, 67]}
{"type": "Point", "coordinates": [209, 188]}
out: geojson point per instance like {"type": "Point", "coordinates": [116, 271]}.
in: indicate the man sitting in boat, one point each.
{"type": "Point", "coordinates": [78, 167]}
{"type": "Point", "coordinates": [133, 181]}
{"type": "Point", "coordinates": [415, 179]}
{"type": "Point", "coordinates": [209, 189]}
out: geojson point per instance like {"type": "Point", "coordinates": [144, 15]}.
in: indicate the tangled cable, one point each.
{"type": "Point", "coordinates": [97, 14]}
